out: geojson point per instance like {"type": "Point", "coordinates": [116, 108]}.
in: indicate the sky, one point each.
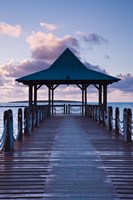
{"type": "Point", "coordinates": [33, 33]}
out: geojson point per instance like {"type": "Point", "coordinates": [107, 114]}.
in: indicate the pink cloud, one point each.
{"type": "Point", "coordinates": [48, 27]}
{"type": "Point", "coordinates": [48, 47]}
{"type": "Point", "coordinates": [24, 67]}
{"type": "Point", "coordinates": [7, 29]}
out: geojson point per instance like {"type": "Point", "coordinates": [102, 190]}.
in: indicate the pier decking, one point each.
{"type": "Point", "coordinates": [68, 157]}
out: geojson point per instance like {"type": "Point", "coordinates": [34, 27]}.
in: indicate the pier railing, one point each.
{"type": "Point", "coordinates": [28, 119]}
{"type": "Point", "coordinates": [68, 109]}
{"type": "Point", "coordinates": [114, 123]}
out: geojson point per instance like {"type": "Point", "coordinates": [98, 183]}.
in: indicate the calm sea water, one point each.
{"type": "Point", "coordinates": [6, 106]}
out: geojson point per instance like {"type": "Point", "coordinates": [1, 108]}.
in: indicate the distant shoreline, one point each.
{"type": "Point", "coordinates": [46, 101]}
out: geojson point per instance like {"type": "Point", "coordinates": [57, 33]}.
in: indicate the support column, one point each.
{"type": "Point", "coordinates": [100, 95]}
{"type": "Point", "coordinates": [105, 97]}
{"type": "Point", "coordinates": [85, 100]}
{"type": "Point", "coordinates": [82, 100]}
{"type": "Point", "coordinates": [30, 95]}
{"type": "Point", "coordinates": [52, 100]}
{"type": "Point", "coordinates": [85, 96]}
{"type": "Point", "coordinates": [49, 96]}
{"type": "Point", "coordinates": [35, 95]}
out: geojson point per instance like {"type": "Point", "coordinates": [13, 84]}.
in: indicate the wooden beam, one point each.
{"type": "Point", "coordinates": [96, 86]}
{"type": "Point", "coordinates": [54, 87]}
{"type": "Point", "coordinates": [79, 86]}
{"type": "Point", "coordinates": [39, 86]}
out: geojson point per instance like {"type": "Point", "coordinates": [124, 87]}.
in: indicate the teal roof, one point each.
{"type": "Point", "coordinates": [67, 68]}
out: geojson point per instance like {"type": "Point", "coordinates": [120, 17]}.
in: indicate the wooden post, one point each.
{"type": "Point", "coordinates": [66, 109]}
{"type": "Point", "coordinates": [117, 121]}
{"type": "Point", "coordinates": [9, 143]}
{"type": "Point", "coordinates": [85, 99]}
{"type": "Point", "coordinates": [127, 125]}
{"type": "Point", "coordinates": [37, 114]}
{"type": "Point", "coordinates": [26, 121]}
{"type": "Point", "coordinates": [30, 95]}
{"type": "Point", "coordinates": [52, 100]}
{"type": "Point", "coordinates": [35, 95]}
{"type": "Point", "coordinates": [105, 97]}
{"type": "Point", "coordinates": [82, 100]}
{"type": "Point", "coordinates": [110, 113]}
{"type": "Point", "coordinates": [100, 95]}
{"type": "Point", "coordinates": [20, 124]}
{"type": "Point", "coordinates": [49, 99]}
{"type": "Point", "coordinates": [33, 117]}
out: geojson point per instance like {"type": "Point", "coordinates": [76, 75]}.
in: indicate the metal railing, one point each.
{"type": "Point", "coordinates": [29, 119]}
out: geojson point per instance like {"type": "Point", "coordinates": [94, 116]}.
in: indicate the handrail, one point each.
{"type": "Point", "coordinates": [33, 116]}
{"type": "Point", "coordinates": [3, 137]}
{"type": "Point", "coordinates": [123, 127]}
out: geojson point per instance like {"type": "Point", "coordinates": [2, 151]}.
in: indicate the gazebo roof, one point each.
{"type": "Point", "coordinates": [67, 69]}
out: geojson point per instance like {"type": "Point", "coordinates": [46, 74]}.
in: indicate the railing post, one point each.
{"type": "Point", "coordinates": [117, 113]}
{"type": "Point", "coordinates": [104, 116]}
{"type": "Point", "coordinates": [20, 124]}
{"type": "Point", "coordinates": [43, 114]}
{"type": "Point", "coordinates": [127, 125]}
{"type": "Point", "coordinates": [9, 143]}
{"type": "Point", "coordinates": [26, 121]}
{"type": "Point", "coordinates": [33, 117]}
{"type": "Point", "coordinates": [39, 109]}
{"type": "Point", "coordinates": [36, 113]}
{"type": "Point", "coordinates": [99, 114]}
{"type": "Point", "coordinates": [92, 112]}
{"type": "Point", "coordinates": [127, 131]}
{"type": "Point", "coordinates": [110, 113]}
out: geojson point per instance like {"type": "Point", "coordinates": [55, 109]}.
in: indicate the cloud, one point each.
{"type": "Point", "coordinates": [107, 57]}
{"type": "Point", "coordinates": [49, 27]}
{"type": "Point", "coordinates": [7, 29]}
{"type": "Point", "coordinates": [24, 67]}
{"type": "Point", "coordinates": [95, 67]}
{"type": "Point", "coordinates": [48, 47]}
{"type": "Point", "coordinates": [126, 83]}
{"type": "Point", "coordinates": [92, 38]}
{"type": "Point", "coordinates": [2, 80]}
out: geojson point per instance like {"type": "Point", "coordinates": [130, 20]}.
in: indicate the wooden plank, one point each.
{"type": "Point", "coordinates": [68, 157]}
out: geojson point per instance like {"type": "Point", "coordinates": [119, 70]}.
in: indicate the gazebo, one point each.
{"type": "Point", "coordinates": [67, 70]}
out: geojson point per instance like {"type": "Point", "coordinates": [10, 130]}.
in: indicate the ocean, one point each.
{"type": "Point", "coordinates": [15, 106]}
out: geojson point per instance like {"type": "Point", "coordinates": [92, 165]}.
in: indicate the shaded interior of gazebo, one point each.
{"type": "Point", "coordinates": [67, 70]}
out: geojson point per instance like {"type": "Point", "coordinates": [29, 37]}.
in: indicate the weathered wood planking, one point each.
{"type": "Point", "coordinates": [68, 157]}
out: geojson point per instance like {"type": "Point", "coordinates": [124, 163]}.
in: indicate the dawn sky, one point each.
{"type": "Point", "coordinates": [33, 33]}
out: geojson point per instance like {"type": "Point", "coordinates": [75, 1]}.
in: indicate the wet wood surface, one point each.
{"type": "Point", "coordinates": [68, 157]}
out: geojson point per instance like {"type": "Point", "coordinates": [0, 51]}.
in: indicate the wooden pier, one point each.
{"type": "Point", "coordinates": [68, 157]}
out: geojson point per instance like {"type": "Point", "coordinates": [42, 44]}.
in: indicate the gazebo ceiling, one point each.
{"type": "Point", "coordinates": [67, 69]}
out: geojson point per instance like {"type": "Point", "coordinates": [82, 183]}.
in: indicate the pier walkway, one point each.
{"type": "Point", "coordinates": [68, 157]}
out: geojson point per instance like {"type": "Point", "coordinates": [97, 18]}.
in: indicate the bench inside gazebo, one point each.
{"type": "Point", "coordinates": [67, 70]}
